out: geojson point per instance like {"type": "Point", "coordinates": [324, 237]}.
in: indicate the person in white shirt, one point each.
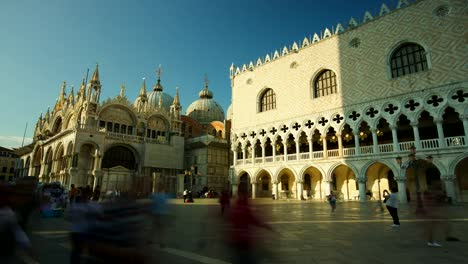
{"type": "Point", "coordinates": [391, 201]}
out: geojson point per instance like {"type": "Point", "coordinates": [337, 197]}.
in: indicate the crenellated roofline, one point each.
{"type": "Point", "coordinates": [316, 38]}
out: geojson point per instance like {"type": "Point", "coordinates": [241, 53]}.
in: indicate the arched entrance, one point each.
{"type": "Point", "coordinates": [37, 162]}
{"type": "Point", "coordinates": [343, 183]}
{"type": "Point", "coordinates": [424, 174]}
{"type": "Point", "coordinates": [118, 166]}
{"type": "Point", "coordinates": [461, 172]}
{"type": "Point", "coordinates": [379, 178]}
{"type": "Point", "coordinates": [313, 184]}
{"type": "Point", "coordinates": [286, 184]}
{"type": "Point", "coordinates": [264, 187]}
{"type": "Point", "coordinates": [244, 184]}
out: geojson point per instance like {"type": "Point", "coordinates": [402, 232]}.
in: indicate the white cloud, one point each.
{"type": "Point", "coordinates": [13, 141]}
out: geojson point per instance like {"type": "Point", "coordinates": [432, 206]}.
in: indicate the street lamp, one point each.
{"type": "Point", "coordinates": [416, 164]}
{"type": "Point", "coordinates": [190, 173]}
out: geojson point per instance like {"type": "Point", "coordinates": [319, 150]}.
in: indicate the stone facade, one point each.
{"type": "Point", "coordinates": [8, 160]}
{"type": "Point", "coordinates": [347, 141]}
{"type": "Point", "coordinates": [119, 145]}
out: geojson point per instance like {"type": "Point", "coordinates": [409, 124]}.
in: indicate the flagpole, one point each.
{"type": "Point", "coordinates": [24, 135]}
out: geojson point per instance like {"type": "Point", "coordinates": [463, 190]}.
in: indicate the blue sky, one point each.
{"type": "Point", "coordinates": [46, 42]}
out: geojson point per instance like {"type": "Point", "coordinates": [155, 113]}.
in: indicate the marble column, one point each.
{"type": "Point", "coordinates": [362, 189]}
{"type": "Point", "coordinates": [417, 140]}
{"type": "Point", "coordinates": [440, 132]}
{"type": "Point", "coordinates": [450, 186]}
{"type": "Point", "coordinates": [340, 145]}
{"type": "Point", "coordinates": [326, 188]}
{"type": "Point", "coordinates": [311, 149]}
{"type": "Point", "coordinates": [234, 157]}
{"type": "Point", "coordinates": [234, 189]}
{"type": "Point", "coordinates": [297, 149]}
{"type": "Point", "coordinates": [263, 152]}
{"type": "Point", "coordinates": [254, 190]}
{"type": "Point", "coordinates": [325, 150]}
{"type": "Point", "coordinates": [285, 148]}
{"type": "Point", "coordinates": [375, 141]}
{"type": "Point", "coordinates": [401, 181]}
{"type": "Point", "coordinates": [273, 147]}
{"type": "Point", "coordinates": [299, 188]}
{"type": "Point", "coordinates": [396, 146]}
{"type": "Point", "coordinates": [356, 143]}
{"type": "Point", "coordinates": [244, 157]}
{"type": "Point", "coordinates": [465, 127]}
{"type": "Point", "coordinates": [275, 190]}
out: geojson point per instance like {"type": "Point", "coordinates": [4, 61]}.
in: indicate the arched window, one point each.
{"type": "Point", "coordinates": [268, 100]}
{"type": "Point", "coordinates": [325, 84]}
{"type": "Point", "coordinates": [407, 59]}
{"type": "Point", "coordinates": [119, 156]}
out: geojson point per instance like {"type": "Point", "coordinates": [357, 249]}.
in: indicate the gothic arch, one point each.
{"type": "Point", "coordinates": [129, 162]}
{"type": "Point", "coordinates": [123, 107]}
{"type": "Point", "coordinates": [452, 166]}
{"type": "Point", "coordinates": [393, 166]}
{"type": "Point", "coordinates": [308, 166]}
{"type": "Point", "coordinates": [259, 171]}
{"type": "Point", "coordinates": [90, 142]}
{"type": "Point", "coordinates": [336, 165]}
{"type": "Point", "coordinates": [285, 168]}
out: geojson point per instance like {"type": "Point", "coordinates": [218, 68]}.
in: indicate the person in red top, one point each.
{"type": "Point", "coordinates": [243, 220]}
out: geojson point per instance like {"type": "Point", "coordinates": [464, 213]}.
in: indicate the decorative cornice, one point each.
{"type": "Point", "coordinates": [327, 33]}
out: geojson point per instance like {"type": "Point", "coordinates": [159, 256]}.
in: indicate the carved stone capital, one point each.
{"type": "Point", "coordinates": [400, 178]}
{"type": "Point", "coordinates": [361, 180]}
{"type": "Point", "coordinates": [448, 178]}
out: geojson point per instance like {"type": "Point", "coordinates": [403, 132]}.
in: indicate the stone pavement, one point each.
{"type": "Point", "coordinates": [305, 232]}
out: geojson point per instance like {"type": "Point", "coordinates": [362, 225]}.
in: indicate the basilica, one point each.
{"type": "Point", "coordinates": [146, 145]}
{"type": "Point", "coordinates": [374, 104]}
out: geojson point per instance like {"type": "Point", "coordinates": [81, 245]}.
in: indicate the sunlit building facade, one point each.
{"type": "Point", "coordinates": [333, 112]}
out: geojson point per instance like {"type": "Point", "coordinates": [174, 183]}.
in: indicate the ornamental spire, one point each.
{"type": "Point", "coordinates": [122, 90]}
{"type": "Point", "coordinates": [176, 97]}
{"type": "Point", "coordinates": [62, 92]}
{"type": "Point", "coordinates": [95, 78]}
{"type": "Point", "coordinates": [158, 86]}
{"type": "Point", "coordinates": [143, 88]}
{"type": "Point", "coordinates": [205, 92]}
{"type": "Point", "coordinates": [71, 96]}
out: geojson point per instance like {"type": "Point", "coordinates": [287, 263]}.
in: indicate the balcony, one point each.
{"type": "Point", "coordinates": [427, 144]}
{"type": "Point", "coordinates": [123, 136]}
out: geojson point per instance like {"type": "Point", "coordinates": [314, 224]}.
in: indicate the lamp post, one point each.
{"type": "Point", "coordinates": [190, 173]}
{"type": "Point", "coordinates": [416, 164]}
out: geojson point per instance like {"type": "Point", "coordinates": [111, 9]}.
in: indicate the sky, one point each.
{"type": "Point", "coordinates": [44, 43]}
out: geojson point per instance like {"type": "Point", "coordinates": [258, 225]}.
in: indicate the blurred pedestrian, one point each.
{"type": "Point", "coordinates": [224, 201]}
{"type": "Point", "coordinates": [332, 201]}
{"type": "Point", "coordinates": [242, 233]}
{"type": "Point", "coordinates": [160, 215]}
{"type": "Point", "coordinates": [96, 193]}
{"type": "Point", "coordinates": [72, 193]}
{"type": "Point", "coordinates": [12, 236]}
{"type": "Point", "coordinates": [391, 202]}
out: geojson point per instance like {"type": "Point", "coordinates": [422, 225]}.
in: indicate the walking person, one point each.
{"type": "Point", "coordinates": [332, 201]}
{"type": "Point", "coordinates": [185, 194]}
{"type": "Point", "coordinates": [391, 202]}
{"type": "Point", "coordinates": [224, 201]}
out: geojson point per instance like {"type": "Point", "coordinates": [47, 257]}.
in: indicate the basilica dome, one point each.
{"type": "Point", "coordinates": [157, 96]}
{"type": "Point", "coordinates": [205, 109]}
